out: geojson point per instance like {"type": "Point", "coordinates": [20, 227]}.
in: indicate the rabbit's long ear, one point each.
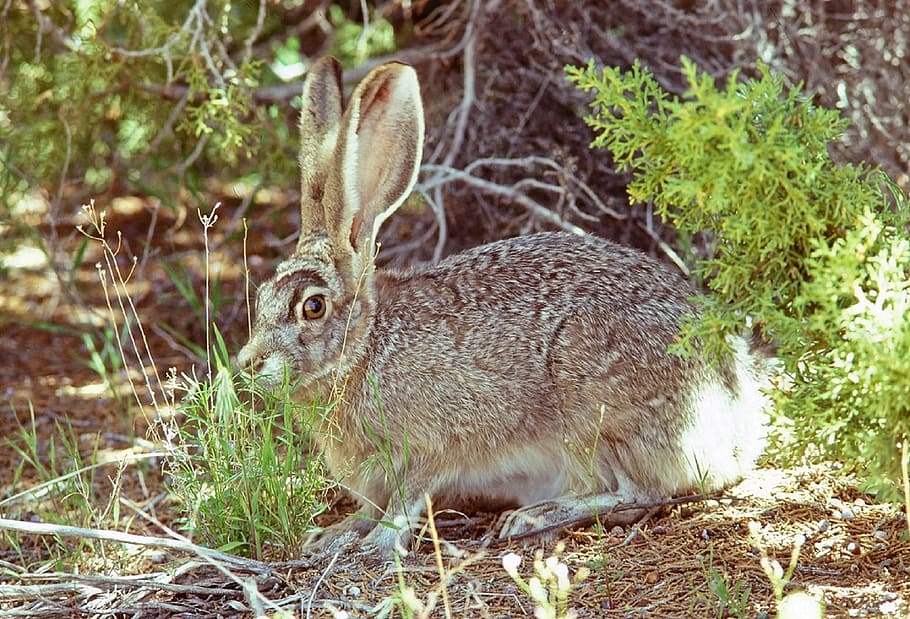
{"type": "Point", "coordinates": [379, 150]}
{"type": "Point", "coordinates": [320, 120]}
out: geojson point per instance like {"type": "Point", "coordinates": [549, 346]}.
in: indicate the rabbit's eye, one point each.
{"type": "Point", "coordinates": [314, 307]}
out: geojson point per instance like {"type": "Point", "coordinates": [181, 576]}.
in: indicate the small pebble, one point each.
{"type": "Point", "coordinates": [880, 535]}
{"type": "Point", "coordinates": [847, 514]}
{"type": "Point", "coordinates": [888, 608]}
{"type": "Point", "coordinates": [823, 526]}
{"type": "Point", "coordinates": [652, 577]}
{"type": "Point", "coordinates": [354, 591]}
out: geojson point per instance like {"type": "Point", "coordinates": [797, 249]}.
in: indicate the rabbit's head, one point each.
{"type": "Point", "coordinates": [358, 164]}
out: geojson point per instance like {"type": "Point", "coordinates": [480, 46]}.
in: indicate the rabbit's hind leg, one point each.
{"type": "Point", "coordinates": [552, 516]}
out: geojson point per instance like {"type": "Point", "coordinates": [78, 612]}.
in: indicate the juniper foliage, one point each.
{"type": "Point", "coordinates": [814, 253]}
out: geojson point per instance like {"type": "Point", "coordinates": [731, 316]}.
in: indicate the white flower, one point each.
{"type": "Point", "coordinates": [510, 563]}
{"type": "Point", "coordinates": [537, 590]}
{"type": "Point", "coordinates": [561, 571]}
{"type": "Point", "coordinates": [551, 564]}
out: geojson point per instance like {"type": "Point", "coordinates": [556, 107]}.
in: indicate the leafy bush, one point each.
{"type": "Point", "coordinates": [95, 84]}
{"type": "Point", "coordinates": [813, 252]}
{"type": "Point", "coordinates": [243, 476]}
{"type": "Point", "coordinates": [100, 95]}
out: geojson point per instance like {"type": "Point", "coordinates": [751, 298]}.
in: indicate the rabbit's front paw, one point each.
{"type": "Point", "coordinates": [330, 542]}
{"type": "Point", "coordinates": [386, 540]}
{"type": "Point", "coordinates": [337, 537]}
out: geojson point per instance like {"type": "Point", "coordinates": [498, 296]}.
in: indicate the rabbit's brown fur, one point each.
{"type": "Point", "coordinates": [532, 370]}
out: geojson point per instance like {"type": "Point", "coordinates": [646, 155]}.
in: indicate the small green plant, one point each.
{"type": "Point", "coordinates": [550, 585]}
{"type": "Point", "coordinates": [700, 475]}
{"type": "Point", "coordinates": [244, 475]}
{"type": "Point", "coordinates": [813, 253]}
{"type": "Point", "coordinates": [238, 462]}
{"type": "Point", "coordinates": [241, 463]}
{"type": "Point", "coordinates": [70, 489]}
{"type": "Point", "coordinates": [104, 359]}
{"type": "Point", "coordinates": [731, 600]}
{"type": "Point", "coordinates": [65, 498]}
{"type": "Point", "coordinates": [796, 604]}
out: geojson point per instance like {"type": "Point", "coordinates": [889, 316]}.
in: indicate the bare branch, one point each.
{"type": "Point", "coordinates": [181, 545]}
{"type": "Point", "coordinates": [509, 193]}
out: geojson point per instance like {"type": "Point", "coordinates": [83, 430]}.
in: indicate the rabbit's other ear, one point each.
{"type": "Point", "coordinates": [380, 149]}
{"type": "Point", "coordinates": [320, 119]}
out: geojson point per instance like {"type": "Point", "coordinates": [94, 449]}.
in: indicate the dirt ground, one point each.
{"type": "Point", "coordinates": [701, 559]}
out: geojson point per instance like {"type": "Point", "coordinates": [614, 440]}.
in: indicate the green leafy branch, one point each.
{"type": "Point", "coordinates": [812, 252]}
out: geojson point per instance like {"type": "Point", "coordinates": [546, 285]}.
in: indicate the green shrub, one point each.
{"type": "Point", "coordinates": [101, 89]}
{"type": "Point", "coordinates": [813, 252]}
{"type": "Point", "coordinates": [154, 95]}
{"type": "Point", "coordinates": [243, 476]}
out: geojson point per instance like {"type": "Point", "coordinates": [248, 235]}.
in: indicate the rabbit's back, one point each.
{"type": "Point", "coordinates": [524, 290]}
{"type": "Point", "coordinates": [545, 307]}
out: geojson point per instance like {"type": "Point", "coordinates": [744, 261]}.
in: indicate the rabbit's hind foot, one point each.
{"type": "Point", "coordinates": [548, 518]}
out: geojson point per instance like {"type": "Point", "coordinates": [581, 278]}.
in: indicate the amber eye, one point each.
{"type": "Point", "coordinates": [314, 307]}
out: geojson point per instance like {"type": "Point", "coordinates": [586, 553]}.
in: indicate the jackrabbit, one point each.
{"type": "Point", "coordinates": [532, 371]}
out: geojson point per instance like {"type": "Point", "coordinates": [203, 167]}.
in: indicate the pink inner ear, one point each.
{"type": "Point", "coordinates": [380, 151]}
{"type": "Point", "coordinates": [376, 140]}
{"type": "Point", "coordinates": [355, 228]}
{"type": "Point", "coordinates": [380, 94]}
